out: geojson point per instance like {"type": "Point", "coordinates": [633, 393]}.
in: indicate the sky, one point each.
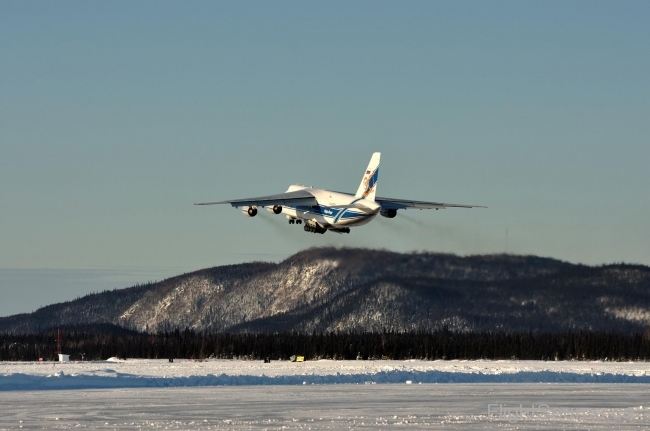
{"type": "Point", "coordinates": [116, 116]}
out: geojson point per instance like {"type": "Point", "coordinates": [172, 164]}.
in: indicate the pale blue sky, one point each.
{"type": "Point", "coordinates": [115, 117]}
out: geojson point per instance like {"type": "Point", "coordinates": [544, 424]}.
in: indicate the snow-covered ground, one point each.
{"type": "Point", "coordinates": [330, 407]}
{"type": "Point", "coordinates": [316, 395]}
{"type": "Point", "coordinates": [184, 373]}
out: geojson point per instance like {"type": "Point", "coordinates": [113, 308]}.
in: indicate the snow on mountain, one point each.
{"type": "Point", "coordinates": [328, 289]}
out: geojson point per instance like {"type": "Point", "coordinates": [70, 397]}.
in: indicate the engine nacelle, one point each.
{"type": "Point", "coordinates": [276, 209]}
{"type": "Point", "coordinates": [249, 211]}
{"type": "Point", "coordinates": [388, 213]}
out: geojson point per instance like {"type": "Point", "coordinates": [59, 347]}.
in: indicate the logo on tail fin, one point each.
{"type": "Point", "coordinates": [368, 184]}
{"type": "Point", "coordinates": [370, 181]}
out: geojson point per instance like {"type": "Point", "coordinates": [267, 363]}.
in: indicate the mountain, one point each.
{"type": "Point", "coordinates": [329, 289]}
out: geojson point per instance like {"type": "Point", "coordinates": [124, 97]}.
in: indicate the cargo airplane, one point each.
{"type": "Point", "coordinates": [324, 210]}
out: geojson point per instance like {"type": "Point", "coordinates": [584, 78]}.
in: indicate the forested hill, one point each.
{"type": "Point", "coordinates": [328, 289]}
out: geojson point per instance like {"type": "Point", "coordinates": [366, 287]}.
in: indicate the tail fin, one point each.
{"type": "Point", "coordinates": [368, 185]}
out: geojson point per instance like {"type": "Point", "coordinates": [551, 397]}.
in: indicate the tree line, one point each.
{"type": "Point", "coordinates": [432, 345]}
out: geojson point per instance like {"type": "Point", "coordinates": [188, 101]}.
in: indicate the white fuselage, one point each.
{"type": "Point", "coordinates": [328, 213]}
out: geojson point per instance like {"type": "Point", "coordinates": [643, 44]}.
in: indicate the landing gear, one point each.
{"type": "Point", "coordinates": [314, 229]}
{"type": "Point", "coordinates": [296, 221]}
{"type": "Point", "coordinates": [291, 221]}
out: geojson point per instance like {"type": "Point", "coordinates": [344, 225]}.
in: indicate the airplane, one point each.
{"type": "Point", "coordinates": [324, 210]}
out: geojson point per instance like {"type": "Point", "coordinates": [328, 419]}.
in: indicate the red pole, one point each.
{"type": "Point", "coordinates": [58, 342]}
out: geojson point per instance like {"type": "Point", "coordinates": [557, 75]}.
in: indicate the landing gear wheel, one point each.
{"type": "Point", "coordinates": [315, 229]}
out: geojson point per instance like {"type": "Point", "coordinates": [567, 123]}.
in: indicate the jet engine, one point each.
{"type": "Point", "coordinates": [388, 213]}
{"type": "Point", "coordinates": [249, 211]}
{"type": "Point", "coordinates": [276, 209]}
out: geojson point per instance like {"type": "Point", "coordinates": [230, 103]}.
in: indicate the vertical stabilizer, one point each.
{"type": "Point", "coordinates": [368, 185]}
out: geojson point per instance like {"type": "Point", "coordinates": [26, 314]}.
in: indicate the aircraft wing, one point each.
{"type": "Point", "coordinates": [402, 204]}
{"type": "Point", "coordinates": [298, 197]}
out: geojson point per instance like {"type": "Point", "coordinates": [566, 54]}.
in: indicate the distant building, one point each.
{"type": "Point", "coordinates": [64, 358]}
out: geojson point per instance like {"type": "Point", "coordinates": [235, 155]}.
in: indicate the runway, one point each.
{"type": "Point", "coordinates": [557, 406]}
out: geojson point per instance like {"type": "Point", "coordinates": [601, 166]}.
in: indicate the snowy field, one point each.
{"type": "Point", "coordinates": [321, 395]}
{"type": "Point", "coordinates": [331, 407]}
{"type": "Point", "coordinates": [184, 373]}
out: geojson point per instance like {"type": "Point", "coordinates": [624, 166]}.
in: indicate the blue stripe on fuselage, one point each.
{"type": "Point", "coordinates": [350, 215]}
{"type": "Point", "coordinates": [336, 213]}
{"type": "Point", "coordinates": [324, 211]}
